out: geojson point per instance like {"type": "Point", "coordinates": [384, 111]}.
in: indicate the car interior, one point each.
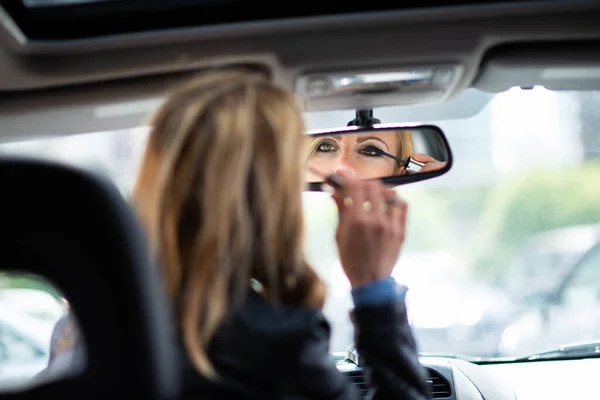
{"type": "Point", "coordinates": [83, 221]}
{"type": "Point", "coordinates": [95, 66]}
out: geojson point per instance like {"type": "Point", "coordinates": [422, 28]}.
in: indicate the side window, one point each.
{"type": "Point", "coordinates": [39, 334]}
{"type": "Point", "coordinates": [584, 287]}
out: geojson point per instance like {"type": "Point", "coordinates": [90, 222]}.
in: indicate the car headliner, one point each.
{"type": "Point", "coordinates": [499, 45]}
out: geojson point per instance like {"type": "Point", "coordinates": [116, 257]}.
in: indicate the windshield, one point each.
{"type": "Point", "coordinates": [496, 249]}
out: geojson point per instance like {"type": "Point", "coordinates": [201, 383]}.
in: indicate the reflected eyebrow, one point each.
{"type": "Point", "coordinates": [363, 139]}
{"type": "Point", "coordinates": [325, 137]}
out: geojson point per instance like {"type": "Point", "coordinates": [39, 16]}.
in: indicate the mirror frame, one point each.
{"type": "Point", "coordinates": [394, 181]}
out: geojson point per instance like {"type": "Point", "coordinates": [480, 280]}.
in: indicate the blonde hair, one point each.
{"type": "Point", "coordinates": [405, 149]}
{"type": "Point", "coordinates": [219, 193]}
{"type": "Point", "coordinates": [406, 146]}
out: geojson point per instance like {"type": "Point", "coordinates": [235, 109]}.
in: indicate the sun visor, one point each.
{"type": "Point", "coordinates": [573, 66]}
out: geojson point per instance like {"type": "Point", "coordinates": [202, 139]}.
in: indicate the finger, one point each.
{"type": "Point", "coordinates": [433, 166]}
{"type": "Point", "coordinates": [354, 194]}
{"type": "Point", "coordinates": [344, 181]}
{"type": "Point", "coordinates": [377, 217]}
{"type": "Point", "coordinates": [402, 218]}
{"type": "Point", "coordinates": [373, 192]}
{"type": "Point", "coordinates": [395, 208]}
{"type": "Point", "coordinates": [423, 158]}
{"type": "Point", "coordinates": [391, 212]}
{"type": "Point", "coordinates": [343, 202]}
{"type": "Point", "coordinates": [338, 199]}
{"type": "Point", "coordinates": [349, 199]}
{"type": "Point", "coordinates": [390, 198]}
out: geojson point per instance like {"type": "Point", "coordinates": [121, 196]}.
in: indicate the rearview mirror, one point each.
{"type": "Point", "coordinates": [395, 154]}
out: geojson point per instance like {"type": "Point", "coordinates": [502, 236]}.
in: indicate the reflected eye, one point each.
{"type": "Point", "coordinates": [325, 147]}
{"type": "Point", "coordinates": [371, 151]}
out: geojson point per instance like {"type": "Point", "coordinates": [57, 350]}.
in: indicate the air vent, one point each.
{"type": "Point", "coordinates": [358, 380]}
{"type": "Point", "coordinates": [439, 386]}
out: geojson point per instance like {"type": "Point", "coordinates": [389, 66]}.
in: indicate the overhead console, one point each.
{"type": "Point", "coordinates": [368, 88]}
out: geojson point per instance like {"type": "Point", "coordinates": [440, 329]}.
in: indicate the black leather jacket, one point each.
{"type": "Point", "coordinates": [265, 351]}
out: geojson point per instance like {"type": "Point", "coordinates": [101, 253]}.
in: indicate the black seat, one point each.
{"type": "Point", "coordinates": [76, 230]}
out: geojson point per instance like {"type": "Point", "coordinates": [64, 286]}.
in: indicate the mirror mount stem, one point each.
{"type": "Point", "coordinates": [364, 119]}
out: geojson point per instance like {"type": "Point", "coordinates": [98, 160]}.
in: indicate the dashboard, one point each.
{"type": "Point", "coordinates": [454, 379]}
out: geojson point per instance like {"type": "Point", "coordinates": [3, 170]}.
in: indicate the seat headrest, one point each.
{"type": "Point", "coordinates": [76, 230]}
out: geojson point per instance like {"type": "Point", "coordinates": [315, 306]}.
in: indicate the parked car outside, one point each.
{"type": "Point", "coordinates": [24, 346]}
{"type": "Point", "coordinates": [566, 308]}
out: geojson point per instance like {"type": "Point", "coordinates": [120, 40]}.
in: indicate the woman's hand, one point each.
{"type": "Point", "coordinates": [431, 164]}
{"type": "Point", "coordinates": [371, 230]}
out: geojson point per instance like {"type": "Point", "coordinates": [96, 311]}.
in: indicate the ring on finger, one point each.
{"type": "Point", "coordinates": [348, 201]}
{"type": "Point", "coordinates": [367, 206]}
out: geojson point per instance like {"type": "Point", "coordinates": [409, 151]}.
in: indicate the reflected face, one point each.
{"type": "Point", "coordinates": [354, 154]}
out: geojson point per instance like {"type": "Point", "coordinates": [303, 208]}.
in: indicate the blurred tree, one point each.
{"type": "Point", "coordinates": [12, 280]}
{"type": "Point", "coordinates": [532, 203]}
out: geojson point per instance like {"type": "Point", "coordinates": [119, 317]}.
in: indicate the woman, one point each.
{"type": "Point", "coordinates": [357, 154]}
{"type": "Point", "coordinates": [362, 155]}
{"type": "Point", "coordinates": [219, 193]}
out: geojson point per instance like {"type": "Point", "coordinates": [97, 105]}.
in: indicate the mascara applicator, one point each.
{"type": "Point", "coordinates": [410, 165]}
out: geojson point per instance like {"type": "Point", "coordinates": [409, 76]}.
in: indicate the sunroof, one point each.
{"type": "Point", "coordinates": [56, 3]}
{"type": "Point", "coordinates": [79, 19]}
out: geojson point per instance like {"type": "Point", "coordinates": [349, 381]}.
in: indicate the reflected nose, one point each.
{"type": "Point", "coordinates": [344, 168]}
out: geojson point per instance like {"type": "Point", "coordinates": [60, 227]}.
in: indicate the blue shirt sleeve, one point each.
{"type": "Point", "coordinates": [379, 292]}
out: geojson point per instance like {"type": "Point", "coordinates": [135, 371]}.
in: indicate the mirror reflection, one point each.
{"type": "Point", "coordinates": [376, 153]}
